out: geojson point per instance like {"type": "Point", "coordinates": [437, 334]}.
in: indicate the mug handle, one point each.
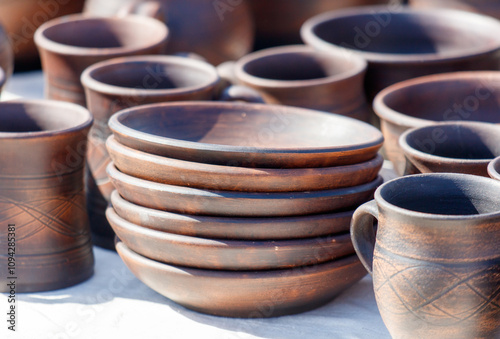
{"type": "Point", "coordinates": [363, 233]}
{"type": "Point", "coordinates": [152, 8]}
{"type": "Point", "coordinates": [410, 168]}
{"type": "Point", "coordinates": [230, 90]}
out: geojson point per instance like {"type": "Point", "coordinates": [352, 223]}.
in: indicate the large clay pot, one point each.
{"type": "Point", "coordinates": [217, 30]}
{"type": "Point", "coordinates": [435, 259]}
{"type": "Point", "coordinates": [488, 7]}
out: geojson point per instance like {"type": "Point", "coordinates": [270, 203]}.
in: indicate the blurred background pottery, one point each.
{"type": "Point", "coordinates": [42, 155]}
{"type": "Point", "coordinates": [6, 53]}
{"type": "Point", "coordinates": [216, 30]}
{"type": "Point", "coordinates": [400, 43]}
{"type": "Point", "coordinates": [488, 7]}
{"type": "Point", "coordinates": [470, 96]}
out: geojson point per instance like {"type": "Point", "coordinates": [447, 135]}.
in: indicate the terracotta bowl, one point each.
{"type": "Point", "coordinates": [247, 135]}
{"type": "Point", "coordinates": [249, 294]}
{"type": "Point", "coordinates": [454, 147]}
{"type": "Point", "coordinates": [194, 174]}
{"type": "Point", "coordinates": [401, 43]}
{"type": "Point", "coordinates": [494, 168]}
{"type": "Point", "coordinates": [232, 228]}
{"type": "Point", "coordinates": [228, 254]}
{"type": "Point", "coordinates": [473, 96]}
{"type": "Point", "coordinates": [189, 200]}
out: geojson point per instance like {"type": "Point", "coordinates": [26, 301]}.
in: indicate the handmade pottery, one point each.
{"type": "Point", "coordinates": [232, 228]}
{"type": "Point", "coordinates": [2, 79]}
{"type": "Point", "coordinates": [277, 22]}
{"type": "Point", "coordinates": [21, 18]}
{"type": "Point", "coordinates": [435, 259]}
{"type": "Point", "coordinates": [69, 45]}
{"type": "Point", "coordinates": [249, 294]}
{"type": "Point", "coordinates": [231, 178]}
{"type": "Point", "coordinates": [303, 77]}
{"type": "Point", "coordinates": [217, 30]}
{"type": "Point", "coordinates": [419, 102]}
{"type": "Point", "coordinates": [228, 254]}
{"type": "Point", "coordinates": [246, 135]}
{"type": "Point", "coordinates": [189, 200]}
{"type": "Point", "coordinates": [401, 43]}
{"type": "Point", "coordinates": [488, 7]}
{"type": "Point", "coordinates": [494, 168]}
{"type": "Point", "coordinates": [454, 147]}
{"type": "Point", "coordinates": [6, 53]}
{"type": "Point", "coordinates": [42, 155]}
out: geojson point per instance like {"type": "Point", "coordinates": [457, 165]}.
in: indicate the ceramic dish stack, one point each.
{"type": "Point", "coordinates": [240, 210]}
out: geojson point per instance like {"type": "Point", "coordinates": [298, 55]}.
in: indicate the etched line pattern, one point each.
{"type": "Point", "coordinates": [454, 296]}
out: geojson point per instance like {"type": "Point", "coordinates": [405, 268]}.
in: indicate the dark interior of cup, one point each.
{"type": "Point", "coordinates": [444, 194]}
{"type": "Point", "coordinates": [404, 33]}
{"type": "Point", "coordinates": [153, 75]}
{"type": "Point", "coordinates": [458, 141]}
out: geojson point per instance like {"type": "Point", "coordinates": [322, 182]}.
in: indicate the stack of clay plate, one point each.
{"type": "Point", "coordinates": [240, 210]}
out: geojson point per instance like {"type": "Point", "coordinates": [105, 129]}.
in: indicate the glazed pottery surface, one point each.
{"type": "Point", "coordinates": [232, 228]}
{"type": "Point", "coordinates": [488, 7]}
{"type": "Point", "coordinates": [401, 43]}
{"type": "Point", "coordinates": [239, 204]}
{"type": "Point", "coordinates": [494, 169]}
{"type": "Point", "coordinates": [120, 83]}
{"type": "Point", "coordinates": [42, 155]}
{"type": "Point", "coordinates": [435, 257]}
{"type": "Point", "coordinates": [303, 77]}
{"type": "Point", "coordinates": [231, 178]}
{"type": "Point", "coordinates": [246, 135]}
{"type": "Point", "coordinates": [470, 96]}
{"type": "Point", "coordinates": [454, 147]}
{"type": "Point", "coordinates": [70, 44]}
{"type": "Point", "coordinates": [228, 254]}
{"type": "Point", "coordinates": [248, 294]}
{"type": "Point", "coordinates": [217, 30]}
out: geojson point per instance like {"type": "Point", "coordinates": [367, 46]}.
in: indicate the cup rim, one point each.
{"type": "Point", "coordinates": [359, 67]}
{"type": "Point", "coordinates": [67, 106]}
{"type": "Point", "coordinates": [384, 204]}
{"type": "Point", "coordinates": [43, 42]}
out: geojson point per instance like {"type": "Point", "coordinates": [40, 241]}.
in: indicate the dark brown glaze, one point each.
{"type": "Point", "coordinates": [42, 155]}
{"type": "Point", "coordinates": [246, 135]}
{"type": "Point", "coordinates": [232, 228]}
{"type": "Point", "coordinates": [456, 147]}
{"type": "Point", "coordinates": [228, 254]}
{"type": "Point", "coordinates": [69, 45]}
{"type": "Point", "coordinates": [401, 43]}
{"type": "Point", "coordinates": [217, 30]}
{"type": "Point", "coordinates": [435, 258]}
{"type": "Point", "coordinates": [494, 169]}
{"type": "Point", "coordinates": [469, 96]}
{"type": "Point", "coordinates": [120, 83]}
{"type": "Point", "coordinates": [188, 200]}
{"type": "Point", "coordinates": [248, 294]}
{"type": "Point", "coordinates": [303, 77]}
{"type": "Point", "coordinates": [488, 7]}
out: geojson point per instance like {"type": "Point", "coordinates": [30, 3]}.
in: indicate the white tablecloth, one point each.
{"type": "Point", "coordinates": [115, 304]}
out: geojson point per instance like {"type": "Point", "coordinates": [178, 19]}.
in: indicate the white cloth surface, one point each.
{"type": "Point", "coordinates": [115, 304]}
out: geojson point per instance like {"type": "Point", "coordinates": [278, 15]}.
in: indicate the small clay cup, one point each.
{"type": "Point", "coordinates": [435, 259]}
{"type": "Point", "coordinates": [401, 43]}
{"type": "Point", "coordinates": [42, 155]}
{"type": "Point", "coordinates": [455, 147]}
{"type": "Point", "coordinates": [69, 44]}
{"type": "Point", "coordinates": [303, 77]}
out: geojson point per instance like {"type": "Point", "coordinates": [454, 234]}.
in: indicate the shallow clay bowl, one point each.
{"type": "Point", "coordinates": [233, 228]}
{"type": "Point", "coordinates": [494, 169]}
{"type": "Point", "coordinates": [247, 294]}
{"type": "Point", "coordinates": [228, 254]}
{"type": "Point", "coordinates": [247, 135]}
{"type": "Point", "coordinates": [454, 147]}
{"type": "Point", "coordinates": [194, 174]}
{"type": "Point", "coordinates": [189, 200]}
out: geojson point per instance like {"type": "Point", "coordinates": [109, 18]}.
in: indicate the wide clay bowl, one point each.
{"type": "Point", "coordinates": [401, 43]}
{"type": "Point", "coordinates": [232, 228]}
{"type": "Point", "coordinates": [194, 174]}
{"type": "Point", "coordinates": [247, 135]}
{"type": "Point", "coordinates": [494, 168]}
{"type": "Point", "coordinates": [454, 147]}
{"type": "Point", "coordinates": [472, 96]}
{"type": "Point", "coordinates": [189, 200]}
{"type": "Point", "coordinates": [247, 294]}
{"type": "Point", "coordinates": [228, 254]}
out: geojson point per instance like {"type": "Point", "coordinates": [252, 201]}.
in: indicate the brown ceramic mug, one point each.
{"type": "Point", "coordinates": [300, 76]}
{"type": "Point", "coordinates": [70, 44]}
{"type": "Point", "coordinates": [435, 258]}
{"type": "Point", "coordinates": [42, 202]}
